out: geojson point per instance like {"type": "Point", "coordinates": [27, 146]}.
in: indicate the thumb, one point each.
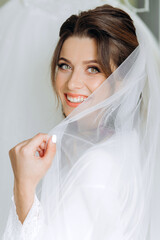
{"type": "Point", "coordinates": [51, 148]}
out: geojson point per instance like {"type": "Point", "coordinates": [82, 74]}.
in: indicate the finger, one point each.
{"type": "Point", "coordinates": [37, 140]}
{"type": "Point", "coordinates": [39, 149]}
{"type": "Point", "coordinates": [50, 150]}
{"type": "Point", "coordinates": [43, 145]}
{"type": "Point", "coordinates": [21, 144]}
{"type": "Point", "coordinates": [41, 153]}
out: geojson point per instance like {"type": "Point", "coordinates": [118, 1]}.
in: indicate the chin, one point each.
{"type": "Point", "coordinates": [65, 114]}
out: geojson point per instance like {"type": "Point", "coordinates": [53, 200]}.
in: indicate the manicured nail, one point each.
{"type": "Point", "coordinates": [54, 138]}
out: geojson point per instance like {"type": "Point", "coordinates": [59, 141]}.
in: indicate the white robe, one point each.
{"type": "Point", "coordinates": [93, 207]}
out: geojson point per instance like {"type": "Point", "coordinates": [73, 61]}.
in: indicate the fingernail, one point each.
{"type": "Point", "coordinates": [54, 138]}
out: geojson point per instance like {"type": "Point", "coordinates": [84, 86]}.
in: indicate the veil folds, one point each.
{"type": "Point", "coordinates": [103, 180]}
{"type": "Point", "coordinates": [103, 183]}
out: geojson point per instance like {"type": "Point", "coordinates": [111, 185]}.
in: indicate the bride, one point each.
{"type": "Point", "coordinates": [99, 176]}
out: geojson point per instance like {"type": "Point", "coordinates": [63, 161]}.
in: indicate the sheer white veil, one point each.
{"type": "Point", "coordinates": [107, 159]}
{"type": "Point", "coordinates": [103, 183]}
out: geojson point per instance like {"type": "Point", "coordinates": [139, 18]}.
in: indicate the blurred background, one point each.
{"type": "Point", "coordinates": [151, 18]}
{"type": "Point", "coordinates": [31, 108]}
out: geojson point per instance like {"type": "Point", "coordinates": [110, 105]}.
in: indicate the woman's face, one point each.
{"type": "Point", "coordinates": [79, 73]}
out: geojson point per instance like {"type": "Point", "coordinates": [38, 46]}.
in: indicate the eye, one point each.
{"type": "Point", "coordinates": [93, 70]}
{"type": "Point", "coordinates": [64, 66]}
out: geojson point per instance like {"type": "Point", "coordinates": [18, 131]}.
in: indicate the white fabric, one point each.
{"type": "Point", "coordinates": [113, 110]}
{"type": "Point", "coordinates": [32, 225]}
{"type": "Point", "coordinates": [89, 190]}
{"type": "Point", "coordinates": [103, 183]}
{"type": "Point", "coordinates": [28, 34]}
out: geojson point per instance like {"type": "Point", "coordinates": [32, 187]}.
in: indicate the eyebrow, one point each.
{"type": "Point", "coordinates": [85, 62]}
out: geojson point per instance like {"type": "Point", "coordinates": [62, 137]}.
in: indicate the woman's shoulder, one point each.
{"type": "Point", "coordinates": [116, 157]}
{"type": "Point", "coordinates": [115, 147]}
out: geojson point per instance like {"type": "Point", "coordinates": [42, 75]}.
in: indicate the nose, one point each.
{"type": "Point", "coordinates": [75, 80]}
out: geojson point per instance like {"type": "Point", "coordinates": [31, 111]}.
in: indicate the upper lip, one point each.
{"type": "Point", "coordinates": [75, 95]}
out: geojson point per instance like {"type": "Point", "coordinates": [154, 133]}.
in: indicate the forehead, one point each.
{"type": "Point", "coordinates": [79, 48]}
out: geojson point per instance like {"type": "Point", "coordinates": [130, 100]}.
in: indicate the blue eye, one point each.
{"type": "Point", "coordinates": [93, 70]}
{"type": "Point", "coordinates": [64, 66]}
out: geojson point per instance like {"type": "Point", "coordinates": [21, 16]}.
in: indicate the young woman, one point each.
{"type": "Point", "coordinates": [99, 176]}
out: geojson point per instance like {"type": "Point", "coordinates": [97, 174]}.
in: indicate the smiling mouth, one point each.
{"type": "Point", "coordinates": [73, 100]}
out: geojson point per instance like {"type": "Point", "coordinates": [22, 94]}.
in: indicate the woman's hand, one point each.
{"type": "Point", "coordinates": [28, 169]}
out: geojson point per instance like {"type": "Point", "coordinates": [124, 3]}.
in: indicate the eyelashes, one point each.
{"type": "Point", "coordinates": [91, 69]}
{"type": "Point", "coordinates": [95, 69]}
{"type": "Point", "coordinates": [63, 66]}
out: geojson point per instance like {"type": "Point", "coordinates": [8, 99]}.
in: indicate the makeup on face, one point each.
{"type": "Point", "coordinates": [79, 72]}
{"type": "Point", "coordinates": [74, 100]}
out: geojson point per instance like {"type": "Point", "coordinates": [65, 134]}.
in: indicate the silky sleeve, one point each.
{"type": "Point", "coordinates": [30, 228]}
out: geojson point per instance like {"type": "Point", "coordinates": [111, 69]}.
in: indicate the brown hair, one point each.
{"type": "Point", "coordinates": [111, 27]}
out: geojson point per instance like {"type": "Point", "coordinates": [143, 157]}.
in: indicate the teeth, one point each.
{"type": "Point", "coordinates": [75, 100]}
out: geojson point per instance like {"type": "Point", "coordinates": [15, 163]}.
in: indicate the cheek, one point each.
{"type": "Point", "coordinates": [93, 84]}
{"type": "Point", "coordinates": [60, 82]}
